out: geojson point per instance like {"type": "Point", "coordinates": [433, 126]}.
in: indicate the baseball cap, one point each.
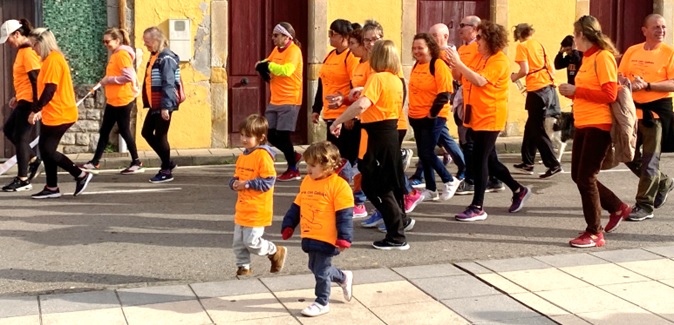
{"type": "Point", "coordinates": [8, 28]}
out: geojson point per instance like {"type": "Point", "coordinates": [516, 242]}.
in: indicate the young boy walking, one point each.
{"type": "Point", "coordinates": [324, 210]}
{"type": "Point", "coordinates": [254, 179]}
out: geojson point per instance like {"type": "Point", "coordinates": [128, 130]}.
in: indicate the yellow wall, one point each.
{"type": "Point", "coordinates": [552, 20]}
{"type": "Point", "coordinates": [191, 125]}
{"type": "Point", "coordinates": [386, 12]}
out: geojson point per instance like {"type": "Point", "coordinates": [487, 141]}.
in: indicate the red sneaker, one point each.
{"type": "Point", "coordinates": [587, 239]}
{"type": "Point", "coordinates": [615, 218]}
{"type": "Point", "coordinates": [298, 157]}
{"type": "Point", "coordinates": [289, 175]}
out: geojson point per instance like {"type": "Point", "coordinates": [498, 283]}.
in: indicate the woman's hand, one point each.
{"type": "Point", "coordinates": [454, 57]}
{"type": "Point", "coordinates": [12, 103]}
{"type": "Point", "coordinates": [336, 129]}
{"type": "Point", "coordinates": [34, 117]}
{"type": "Point", "coordinates": [315, 117]}
{"type": "Point", "coordinates": [354, 94]}
{"type": "Point", "coordinates": [567, 90]}
{"type": "Point", "coordinates": [165, 115]}
{"type": "Point", "coordinates": [335, 100]}
{"type": "Point", "coordinates": [239, 185]}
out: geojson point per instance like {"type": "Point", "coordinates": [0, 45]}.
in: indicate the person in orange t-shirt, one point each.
{"type": "Point", "coordinates": [485, 84]}
{"type": "Point", "coordinates": [57, 109]}
{"type": "Point", "coordinates": [323, 208]}
{"type": "Point", "coordinates": [17, 129]}
{"type": "Point", "coordinates": [542, 101]}
{"type": "Point", "coordinates": [383, 178]}
{"type": "Point", "coordinates": [596, 87]}
{"type": "Point", "coordinates": [650, 68]}
{"type": "Point", "coordinates": [254, 177]}
{"type": "Point", "coordinates": [285, 66]}
{"type": "Point", "coordinates": [121, 89]}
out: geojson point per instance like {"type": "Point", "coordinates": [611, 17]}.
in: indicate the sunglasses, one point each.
{"type": "Point", "coordinates": [331, 33]}
{"type": "Point", "coordinates": [107, 41]}
{"type": "Point", "coordinates": [462, 25]}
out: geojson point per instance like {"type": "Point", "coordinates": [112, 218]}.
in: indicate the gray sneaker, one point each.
{"type": "Point", "coordinates": [430, 195]}
{"type": "Point", "coordinates": [639, 214]}
{"type": "Point", "coordinates": [661, 197]}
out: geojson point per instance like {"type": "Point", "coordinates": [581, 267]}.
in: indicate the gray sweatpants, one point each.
{"type": "Point", "coordinates": [249, 240]}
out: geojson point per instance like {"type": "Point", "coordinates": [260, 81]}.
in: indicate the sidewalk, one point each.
{"type": "Point", "coordinates": [633, 286]}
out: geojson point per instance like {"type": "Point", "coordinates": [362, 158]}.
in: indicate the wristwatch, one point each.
{"type": "Point", "coordinates": [246, 185]}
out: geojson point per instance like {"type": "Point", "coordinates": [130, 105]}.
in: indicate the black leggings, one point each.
{"type": "Point", "coordinates": [348, 142]}
{"type": "Point", "coordinates": [17, 130]}
{"type": "Point", "coordinates": [122, 116]}
{"type": "Point", "coordinates": [155, 132]}
{"type": "Point", "coordinates": [281, 140]}
{"type": "Point", "coordinates": [487, 163]}
{"type": "Point", "coordinates": [50, 136]}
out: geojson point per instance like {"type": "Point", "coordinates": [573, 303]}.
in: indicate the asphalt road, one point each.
{"type": "Point", "coordinates": [126, 232]}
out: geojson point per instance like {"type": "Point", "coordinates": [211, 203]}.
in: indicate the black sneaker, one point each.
{"type": "Point", "coordinates": [661, 197]}
{"type": "Point", "coordinates": [552, 171]}
{"type": "Point", "coordinates": [494, 186]}
{"type": "Point", "coordinates": [386, 245]}
{"type": "Point", "coordinates": [34, 168]}
{"type": "Point", "coordinates": [163, 176]}
{"type": "Point", "coordinates": [82, 183]}
{"type": "Point", "coordinates": [47, 194]}
{"type": "Point", "coordinates": [173, 166]}
{"type": "Point", "coordinates": [524, 168]}
{"type": "Point", "coordinates": [465, 189]}
{"type": "Point", "coordinates": [17, 185]}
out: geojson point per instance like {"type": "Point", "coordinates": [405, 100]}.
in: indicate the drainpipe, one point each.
{"type": "Point", "coordinates": [121, 10]}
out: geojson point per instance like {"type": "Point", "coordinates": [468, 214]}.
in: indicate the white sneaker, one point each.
{"type": "Point", "coordinates": [449, 189]}
{"type": "Point", "coordinates": [315, 309]}
{"type": "Point", "coordinates": [347, 286]}
{"type": "Point", "coordinates": [430, 195]}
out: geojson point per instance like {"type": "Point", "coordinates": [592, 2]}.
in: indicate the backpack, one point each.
{"type": "Point", "coordinates": [430, 67]}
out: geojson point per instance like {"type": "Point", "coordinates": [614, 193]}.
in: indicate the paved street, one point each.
{"type": "Point", "coordinates": [127, 233]}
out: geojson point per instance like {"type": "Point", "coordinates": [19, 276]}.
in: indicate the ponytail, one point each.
{"type": "Point", "coordinates": [589, 27]}
{"type": "Point", "coordinates": [25, 28]}
{"type": "Point", "coordinates": [119, 34]}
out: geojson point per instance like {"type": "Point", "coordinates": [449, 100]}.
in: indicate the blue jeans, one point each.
{"type": "Point", "coordinates": [448, 143]}
{"type": "Point", "coordinates": [426, 133]}
{"type": "Point", "coordinates": [320, 265]}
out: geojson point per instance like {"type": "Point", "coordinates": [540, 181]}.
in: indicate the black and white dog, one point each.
{"type": "Point", "coordinates": [560, 129]}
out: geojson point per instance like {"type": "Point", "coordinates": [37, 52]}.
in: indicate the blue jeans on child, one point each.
{"type": "Point", "coordinates": [320, 265]}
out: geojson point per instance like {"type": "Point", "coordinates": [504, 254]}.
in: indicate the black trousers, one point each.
{"type": "Point", "coordinates": [281, 140]}
{"type": "Point", "coordinates": [50, 136]}
{"type": "Point", "coordinates": [17, 130]}
{"type": "Point", "coordinates": [535, 136]}
{"type": "Point", "coordinates": [155, 132]}
{"type": "Point", "coordinates": [120, 115]}
{"type": "Point", "coordinates": [487, 163]}
{"type": "Point", "coordinates": [348, 141]}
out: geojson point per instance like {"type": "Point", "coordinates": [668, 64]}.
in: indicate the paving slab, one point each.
{"type": "Point", "coordinates": [629, 316]}
{"type": "Point", "coordinates": [543, 279]}
{"type": "Point", "coordinates": [538, 320]}
{"type": "Point", "coordinates": [21, 320]}
{"type": "Point", "coordinates": [373, 276]}
{"type": "Point", "coordinates": [169, 313]}
{"type": "Point", "coordinates": [451, 287]}
{"type": "Point", "coordinates": [662, 269]}
{"type": "Point", "coordinates": [602, 274]}
{"type": "Point", "coordinates": [426, 313]}
{"type": "Point", "coordinates": [568, 260]}
{"type": "Point", "coordinates": [392, 293]}
{"type": "Point", "coordinates": [283, 320]}
{"type": "Point", "coordinates": [569, 320]}
{"type": "Point", "coordinates": [61, 303]}
{"type": "Point", "coordinates": [228, 288]}
{"type": "Point", "coordinates": [585, 300]}
{"type": "Point", "coordinates": [262, 307]}
{"type": "Point", "coordinates": [653, 296]}
{"type": "Point", "coordinates": [108, 316]}
{"type": "Point", "coordinates": [155, 295]}
{"type": "Point", "coordinates": [18, 306]}
{"type": "Point", "coordinates": [494, 308]}
{"type": "Point", "coordinates": [539, 304]}
{"type": "Point", "coordinates": [428, 271]}
{"type": "Point", "coordinates": [340, 312]}
{"type": "Point", "coordinates": [473, 268]}
{"type": "Point", "coordinates": [626, 255]}
{"type": "Point", "coordinates": [503, 284]}
{"type": "Point", "coordinates": [289, 282]}
{"type": "Point", "coordinates": [513, 264]}
{"type": "Point", "coordinates": [667, 251]}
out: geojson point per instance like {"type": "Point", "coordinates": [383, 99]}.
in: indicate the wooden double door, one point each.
{"type": "Point", "coordinates": [250, 27]}
{"type": "Point", "coordinates": [621, 20]}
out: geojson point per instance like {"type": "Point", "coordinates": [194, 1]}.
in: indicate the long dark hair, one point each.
{"type": "Point", "coordinates": [433, 47]}
{"type": "Point", "coordinates": [25, 28]}
{"type": "Point", "coordinates": [343, 27]}
{"type": "Point", "coordinates": [589, 27]}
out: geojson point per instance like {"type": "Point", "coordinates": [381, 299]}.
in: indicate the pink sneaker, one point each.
{"type": "Point", "coordinates": [412, 200]}
{"type": "Point", "coordinates": [587, 239]}
{"type": "Point", "coordinates": [359, 211]}
{"type": "Point", "coordinates": [289, 175]}
{"type": "Point", "coordinates": [615, 219]}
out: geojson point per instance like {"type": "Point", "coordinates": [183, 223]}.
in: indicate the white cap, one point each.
{"type": "Point", "coordinates": [8, 28]}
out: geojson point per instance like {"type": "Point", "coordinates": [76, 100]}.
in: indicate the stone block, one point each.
{"type": "Point", "coordinates": [74, 149]}
{"type": "Point", "coordinates": [94, 114]}
{"type": "Point", "coordinates": [68, 138]}
{"type": "Point", "coordinates": [82, 139]}
{"type": "Point", "coordinates": [89, 103]}
{"type": "Point", "coordinates": [89, 126]}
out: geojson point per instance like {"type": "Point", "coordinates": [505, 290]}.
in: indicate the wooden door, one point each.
{"type": "Point", "coordinates": [11, 9]}
{"type": "Point", "coordinates": [251, 25]}
{"type": "Point", "coordinates": [449, 12]}
{"type": "Point", "coordinates": [621, 20]}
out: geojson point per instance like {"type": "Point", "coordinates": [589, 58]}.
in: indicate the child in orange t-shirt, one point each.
{"type": "Point", "coordinates": [254, 178]}
{"type": "Point", "coordinates": [323, 209]}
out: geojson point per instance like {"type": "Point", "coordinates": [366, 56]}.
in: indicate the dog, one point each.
{"type": "Point", "coordinates": [560, 130]}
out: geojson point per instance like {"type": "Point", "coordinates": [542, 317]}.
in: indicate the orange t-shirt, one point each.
{"type": "Point", "coordinates": [319, 200]}
{"type": "Point", "coordinates": [468, 53]}
{"type": "Point", "coordinates": [62, 108]}
{"type": "Point", "coordinates": [425, 87]}
{"type": "Point", "coordinates": [653, 66]}
{"type": "Point", "coordinates": [148, 76]}
{"type": "Point", "coordinates": [254, 208]}
{"type": "Point", "coordinates": [532, 52]}
{"type": "Point", "coordinates": [490, 102]}
{"type": "Point", "coordinates": [287, 90]}
{"type": "Point", "coordinates": [360, 74]}
{"type": "Point", "coordinates": [385, 91]}
{"type": "Point", "coordinates": [335, 75]}
{"type": "Point", "coordinates": [119, 95]}
{"type": "Point", "coordinates": [597, 69]}
{"type": "Point", "coordinates": [26, 61]}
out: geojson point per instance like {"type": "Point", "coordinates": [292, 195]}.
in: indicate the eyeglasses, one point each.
{"type": "Point", "coordinates": [462, 25]}
{"type": "Point", "coordinates": [107, 41]}
{"type": "Point", "coordinates": [478, 37]}
{"type": "Point", "coordinates": [371, 40]}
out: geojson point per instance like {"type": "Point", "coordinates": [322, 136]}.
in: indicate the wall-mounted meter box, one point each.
{"type": "Point", "coordinates": [180, 40]}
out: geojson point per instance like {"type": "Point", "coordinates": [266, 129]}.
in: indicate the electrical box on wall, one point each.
{"type": "Point", "coordinates": [180, 40]}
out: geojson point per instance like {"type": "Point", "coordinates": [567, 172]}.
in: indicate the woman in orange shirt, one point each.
{"type": "Point", "coordinates": [57, 109]}
{"type": "Point", "coordinates": [596, 87]}
{"type": "Point", "coordinates": [121, 89]}
{"type": "Point", "coordinates": [485, 98]}
{"type": "Point", "coordinates": [383, 177]}
{"type": "Point", "coordinates": [17, 129]}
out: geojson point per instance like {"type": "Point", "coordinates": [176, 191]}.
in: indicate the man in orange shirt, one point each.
{"type": "Point", "coordinates": [650, 68]}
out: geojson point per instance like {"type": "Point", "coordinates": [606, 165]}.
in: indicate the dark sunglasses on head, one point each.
{"type": "Point", "coordinates": [462, 25]}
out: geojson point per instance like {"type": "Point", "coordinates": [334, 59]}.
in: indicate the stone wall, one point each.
{"type": "Point", "coordinates": [83, 135]}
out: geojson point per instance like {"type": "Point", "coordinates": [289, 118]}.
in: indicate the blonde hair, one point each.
{"type": "Point", "coordinates": [255, 125]}
{"type": "Point", "coordinates": [324, 154]}
{"type": "Point", "coordinates": [590, 28]}
{"type": "Point", "coordinates": [119, 34]}
{"type": "Point", "coordinates": [156, 34]}
{"type": "Point", "coordinates": [384, 57]}
{"type": "Point", "coordinates": [43, 42]}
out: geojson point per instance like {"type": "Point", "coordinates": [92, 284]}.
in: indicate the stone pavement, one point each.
{"type": "Point", "coordinates": [593, 286]}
